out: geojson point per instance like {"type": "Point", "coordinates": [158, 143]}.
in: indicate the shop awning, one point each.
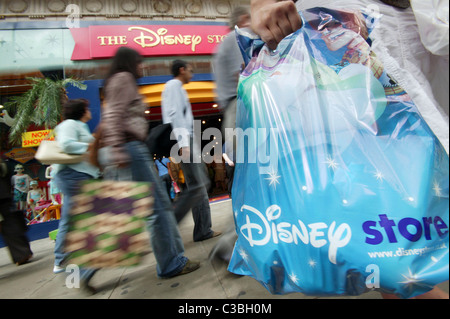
{"type": "Point", "coordinates": [201, 95]}
{"type": "Point", "coordinates": [199, 92]}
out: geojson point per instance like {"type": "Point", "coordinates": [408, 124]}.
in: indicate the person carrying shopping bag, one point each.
{"type": "Point", "coordinates": [123, 155]}
{"type": "Point", "coordinates": [74, 137]}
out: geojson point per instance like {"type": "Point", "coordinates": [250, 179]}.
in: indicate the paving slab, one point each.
{"type": "Point", "coordinates": [35, 280]}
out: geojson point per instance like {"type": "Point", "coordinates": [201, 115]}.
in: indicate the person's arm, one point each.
{"type": "Point", "coordinates": [67, 137]}
{"type": "Point", "coordinates": [273, 20]}
{"type": "Point", "coordinates": [227, 159]}
{"type": "Point", "coordinates": [120, 93]}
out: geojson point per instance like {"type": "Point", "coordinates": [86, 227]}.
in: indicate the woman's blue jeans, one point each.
{"type": "Point", "coordinates": [165, 237]}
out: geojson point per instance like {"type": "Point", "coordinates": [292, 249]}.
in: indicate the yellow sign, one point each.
{"type": "Point", "coordinates": [33, 139]}
{"type": "Point", "coordinates": [21, 155]}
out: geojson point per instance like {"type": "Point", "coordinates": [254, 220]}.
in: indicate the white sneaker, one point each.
{"type": "Point", "coordinates": [58, 269]}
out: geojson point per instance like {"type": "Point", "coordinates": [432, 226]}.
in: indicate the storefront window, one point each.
{"type": "Point", "coordinates": [43, 49]}
{"type": "Point", "coordinates": [96, 70]}
{"type": "Point", "coordinates": [47, 50]}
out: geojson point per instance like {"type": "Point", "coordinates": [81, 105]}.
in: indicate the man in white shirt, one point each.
{"type": "Point", "coordinates": [177, 110]}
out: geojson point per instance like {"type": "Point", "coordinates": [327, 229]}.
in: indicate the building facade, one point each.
{"type": "Point", "coordinates": [77, 38]}
{"type": "Point", "coordinates": [181, 10]}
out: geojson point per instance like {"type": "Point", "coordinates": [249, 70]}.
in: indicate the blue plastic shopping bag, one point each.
{"type": "Point", "coordinates": [340, 185]}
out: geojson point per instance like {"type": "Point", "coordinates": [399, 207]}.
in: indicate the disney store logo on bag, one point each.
{"type": "Point", "coordinates": [409, 228]}
{"type": "Point", "coordinates": [259, 231]}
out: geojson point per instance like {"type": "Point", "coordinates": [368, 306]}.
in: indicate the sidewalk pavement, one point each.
{"type": "Point", "coordinates": [35, 280]}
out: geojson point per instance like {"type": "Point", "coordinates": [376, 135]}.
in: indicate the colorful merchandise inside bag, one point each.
{"type": "Point", "coordinates": [108, 224]}
{"type": "Point", "coordinates": [340, 185]}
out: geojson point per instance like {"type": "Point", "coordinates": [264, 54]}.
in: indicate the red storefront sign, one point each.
{"type": "Point", "coordinates": [100, 42]}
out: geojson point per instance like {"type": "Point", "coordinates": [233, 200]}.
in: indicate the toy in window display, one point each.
{"type": "Point", "coordinates": [55, 193]}
{"type": "Point", "coordinates": [6, 119]}
{"type": "Point", "coordinates": [20, 182]}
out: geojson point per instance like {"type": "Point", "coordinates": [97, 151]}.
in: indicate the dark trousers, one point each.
{"type": "Point", "coordinates": [230, 174]}
{"type": "Point", "coordinates": [195, 197]}
{"type": "Point", "coordinates": [167, 182]}
{"type": "Point", "coordinates": [13, 231]}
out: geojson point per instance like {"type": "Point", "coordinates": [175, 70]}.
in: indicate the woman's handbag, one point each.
{"type": "Point", "coordinates": [49, 153]}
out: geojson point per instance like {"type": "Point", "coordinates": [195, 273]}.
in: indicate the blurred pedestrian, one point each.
{"type": "Point", "coordinates": [227, 64]}
{"type": "Point", "coordinates": [74, 137]}
{"type": "Point", "coordinates": [230, 160]}
{"type": "Point", "coordinates": [219, 173]}
{"type": "Point", "coordinates": [12, 221]}
{"type": "Point", "coordinates": [177, 110]}
{"type": "Point", "coordinates": [124, 156]}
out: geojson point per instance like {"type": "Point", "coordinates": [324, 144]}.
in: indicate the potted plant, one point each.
{"type": "Point", "coordinates": [41, 105]}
